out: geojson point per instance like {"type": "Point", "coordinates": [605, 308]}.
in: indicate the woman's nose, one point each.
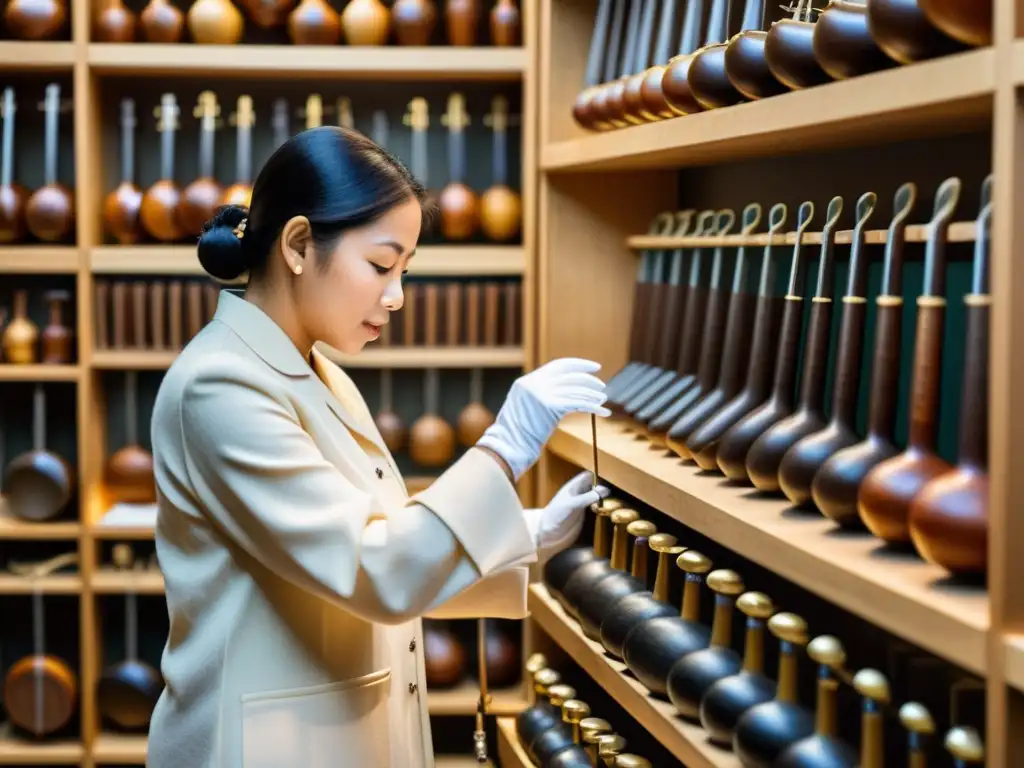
{"type": "Point", "coordinates": [394, 297]}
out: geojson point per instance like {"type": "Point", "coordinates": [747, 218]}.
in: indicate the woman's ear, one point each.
{"type": "Point", "coordinates": [297, 244]}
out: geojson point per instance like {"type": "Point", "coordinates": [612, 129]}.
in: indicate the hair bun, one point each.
{"type": "Point", "coordinates": [221, 251]}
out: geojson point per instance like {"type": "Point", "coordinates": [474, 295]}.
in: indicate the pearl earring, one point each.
{"type": "Point", "coordinates": [298, 269]}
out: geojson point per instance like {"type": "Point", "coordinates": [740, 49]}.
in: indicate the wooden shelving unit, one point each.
{"type": "Point", "coordinates": [93, 76]}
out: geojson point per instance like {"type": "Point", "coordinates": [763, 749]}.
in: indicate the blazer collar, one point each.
{"type": "Point", "coordinates": [261, 334]}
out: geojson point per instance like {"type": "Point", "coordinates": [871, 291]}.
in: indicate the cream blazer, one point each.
{"type": "Point", "coordinates": [296, 566]}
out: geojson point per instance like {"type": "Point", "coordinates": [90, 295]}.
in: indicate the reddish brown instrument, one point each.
{"type": "Point", "coordinates": [432, 439]}
{"type": "Point", "coordinates": [129, 473]}
{"type": "Point", "coordinates": [159, 213]}
{"type": "Point", "coordinates": [505, 24]}
{"type": "Point", "coordinates": [123, 204]}
{"type": "Point", "coordinates": [199, 199]}
{"type": "Point", "coordinates": [50, 211]}
{"type": "Point", "coordinates": [12, 194]}
{"type": "Point", "coordinates": [314, 22]}
{"type": "Point", "coordinates": [240, 193]}
{"type": "Point", "coordinates": [115, 23]}
{"type": "Point", "coordinates": [501, 209]}
{"type": "Point", "coordinates": [35, 19]}
{"type": "Point", "coordinates": [460, 207]}
{"type": "Point", "coordinates": [162, 22]}
{"type": "Point", "coordinates": [56, 335]}
{"type": "Point", "coordinates": [414, 21]}
{"type": "Point", "coordinates": [476, 417]}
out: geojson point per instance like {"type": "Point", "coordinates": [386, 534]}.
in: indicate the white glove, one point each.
{"type": "Point", "coordinates": [536, 402]}
{"type": "Point", "coordinates": [558, 525]}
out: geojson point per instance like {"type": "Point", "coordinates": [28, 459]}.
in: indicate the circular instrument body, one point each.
{"type": "Point", "coordinates": [392, 429]}
{"type": "Point", "coordinates": [535, 720]}
{"type": "Point", "coordinates": [735, 444]}
{"type": "Point", "coordinates": [127, 693]}
{"type": "Point", "coordinates": [948, 521]}
{"type": "Point", "coordinates": [694, 674]}
{"type": "Point", "coordinates": [444, 656]}
{"type": "Point", "coordinates": [35, 19]}
{"type": "Point", "coordinates": [237, 194]}
{"type": "Point", "coordinates": [573, 757]}
{"type": "Point", "coordinates": [215, 22]}
{"type": "Point", "coordinates": [198, 205]}
{"type": "Point", "coordinates": [766, 454]}
{"type": "Point", "coordinates": [366, 22]}
{"type": "Point", "coordinates": [633, 99]}
{"type": "Point", "coordinates": [728, 699]}
{"type": "Point", "coordinates": [652, 96]}
{"type": "Point", "coordinates": [473, 421]}
{"type": "Point", "coordinates": [13, 197]}
{"type": "Point", "coordinates": [460, 211]}
{"type": "Point", "coordinates": [801, 463]}
{"type": "Point", "coordinates": [115, 23]}
{"type": "Point", "coordinates": [414, 21]}
{"type": "Point", "coordinates": [599, 600]}
{"type": "Point", "coordinates": [627, 613]}
{"type": "Point", "coordinates": [843, 44]}
{"type": "Point", "coordinates": [550, 743]}
{"type": "Point", "coordinates": [121, 213]}
{"type": "Point", "coordinates": [837, 483]}
{"type": "Point", "coordinates": [709, 80]}
{"type": "Point", "coordinates": [901, 29]}
{"type": "Point", "coordinates": [789, 52]}
{"type": "Point", "coordinates": [59, 692]}
{"type": "Point", "coordinates": [129, 475]}
{"type": "Point", "coordinates": [162, 22]}
{"type": "Point", "coordinates": [159, 211]}
{"type": "Point", "coordinates": [747, 67]}
{"type": "Point", "coordinates": [501, 213]}
{"type": "Point", "coordinates": [560, 568]}
{"type": "Point", "coordinates": [431, 441]}
{"type": "Point", "coordinates": [817, 751]}
{"type": "Point", "coordinates": [38, 485]}
{"type": "Point", "coordinates": [50, 212]}
{"type": "Point", "coordinates": [969, 21]}
{"type": "Point", "coordinates": [675, 85]}
{"type": "Point", "coordinates": [503, 658]}
{"type": "Point", "coordinates": [582, 109]}
{"type": "Point", "coordinates": [889, 488]}
{"type": "Point", "coordinates": [653, 646]}
{"type": "Point", "coordinates": [314, 22]}
{"type": "Point", "coordinates": [766, 730]}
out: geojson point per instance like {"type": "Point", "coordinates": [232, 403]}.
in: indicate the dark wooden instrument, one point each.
{"type": "Point", "coordinates": [199, 199]}
{"type": "Point", "coordinates": [598, 54]}
{"type": "Point", "coordinates": [115, 23]}
{"type": "Point", "coordinates": [431, 438]}
{"type": "Point", "coordinates": [366, 22]}
{"type": "Point", "coordinates": [459, 204]}
{"type": "Point", "coordinates": [444, 655]}
{"type": "Point", "coordinates": [501, 209]}
{"type": "Point", "coordinates": [887, 491]}
{"type": "Point", "coordinates": [35, 19]}
{"type": "Point", "coordinates": [314, 22]}
{"type": "Point", "coordinates": [590, 573]}
{"type": "Point", "coordinates": [836, 483]}
{"type": "Point", "coordinates": [632, 109]}
{"type": "Point", "coordinates": [901, 29]}
{"type": "Point", "coordinates": [12, 194]}
{"type": "Point", "coordinates": [653, 105]}
{"type": "Point", "coordinates": [789, 50]}
{"type": "Point", "coordinates": [966, 20]}
{"type": "Point", "coordinates": [57, 336]}
{"type": "Point", "coordinates": [50, 210]}
{"type": "Point", "coordinates": [505, 24]}
{"type": "Point", "coordinates": [540, 715]}
{"type": "Point", "coordinates": [611, 101]}
{"type": "Point", "coordinates": [161, 22]}
{"type": "Point", "coordinates": [561, 568]}
{"type": "Point", "coordinates": [122, 205]}
{"type": "Point", "coordinates": [843, 44]}
{"type": "Point", "coordinates": [745, 63]}
{"type": "Point", "coordinates": [160, 202]}
{"type": "Point", "coordinates": [708, 75]}
{"type": "Point", "coordinates": [414, 21]}
{"type": "Point", "coordinates": [617, 69]}
{"type": "Point", "coordinates": [675, 83]}
{"type": "Point", "coordinates": [129, 472]}
{"type": "Point", "coordinates": [240, 192]}
{"type": "Point", "coordinates": [476, 417]}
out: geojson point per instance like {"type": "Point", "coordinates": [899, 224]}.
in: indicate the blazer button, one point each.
{"type": "Point", "coordinates": [380, 473]}
{"type": "Point", "coordinates": [413, 687]}
{"type": "Point", "coordinates": [412, 645]}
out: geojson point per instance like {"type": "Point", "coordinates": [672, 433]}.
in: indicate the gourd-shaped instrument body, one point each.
{"type": "Point", "coordinates": [836, 484]}
{"type": "Point", "coordinates": [766, 453]}
{"type": "Point", "coordinates": [161, 22]}
{"type": "Point", "coordinates": [444, 655]}
{"type": "Point", "coordinates": [476, 417]}
{"type": "Point", "coordinates": [460, 207]}
{"type": "Point", "coordinates": [745, 62]}
{"type": "Point", "coordinates": [632, 104]}
{"type": "Point", "coordinates": [603, 47]}
{"type": "Point", "coordinates": [240, 193]}
{"type": "Point", "coordinates": [901, 29]}
{"type": "Point", "coordinates": [886, 494]}
{"type": "Point", "coordinates": [122, 205]}
{"type": "Point", "coordinates": [727, 699]}
{"type": "Point", "coordinates": [215, 22]}
{"type": "Point", "coordinates": [735, 444]}
{"type": "Point", "coordinates": [267, 14]}
{"type": "Point", "coordinates": [586, 731]}
{"type": "Point", "coordinates": [505, 24]}
{"type": "Point", "coordinates": [160, 202]}
{"type": "Point", "coordinates": [765, 730]}
{"type": "Point", "coordinates": [431, 437]}
{"type": "Point", "coordinates": [56, 336]}
{"type": "Point", "coordinates": [21, 334]}
{"type": "Point", "coordinates": [500, 206]}
{"type": "Point", "coordinates": [366, 22]}
{"type": "Point", "coordinates": [843, 43]}
{"type": "Point", "coordinates": [50, 210]}
{"type": "Point", "coordinates": [129, 473]}
{"type": "Point", "coordinates": [558, 571]}
{"type": "Point", "coordinates": [949, 518]}
{"type": "Point", "coordinates": [35, 19]}
{"type": "Point", "coordinates": [822, 749]}
{"type": "Point", "coordinates": [803, 460]}
{"type": "Point", "coordinates": [115, 23]}
{"type": "Point", "coordinates": [965, 20]}
{"type": "Point", "coordinates": [314, 22]}
{"type": "Point", "coordinates": [709, 76]}
{"type": "Point", "coordinates": [199, 199]}
{"type": "Point", "coordinates": [653, 104]}
{"type": "Point", "coordinates": [789, 50]}
{"type": "Point", "coordinates": [637, 607]}
{"type": "Point", "coordinates": [610, 101]}
{"type": "Point", "coordinates": [590, 574]}
{"type": "Point", "coordinates": [675, 82]}
{"type": "Point", "coordinates": [414, 21]}
{"type": "Point", "coordinates": [693, 675]}
{"type": "Point", "coordinates": [602, 596]}
{"type": "Point", "coordinates": [12, 194]}
{"type": "Point", "coordinates": [653, 646]}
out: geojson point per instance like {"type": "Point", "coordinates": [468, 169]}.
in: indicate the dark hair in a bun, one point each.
{"type": "Point", "coordinates": [335, 177]}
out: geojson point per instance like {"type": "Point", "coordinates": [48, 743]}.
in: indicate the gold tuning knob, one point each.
{"type": "Point", "coordinates": [605, 507]}
{"type": "Point", "coordinates": [123, 556]}
{"type": "Point", "coordinates": [756, 605]}
{"type": "Point", "coordinates": [594, 728]}
{"type": "Point", "coordinates": [643, 528]}
{"type": "Point", "coordinates": [623, 517]}
{"type": "Point", "coordinates": [916, 718]}
{"type": "Point", "coordinates": [632, 761]}
{"type": "Point", "coordinates": [871, 684]}
{"type": "Point", "coordinates": [789, 628]}
{"type": "Point", "coordinates": [574, 710]}
{"type": "Point", "coordinates": [546, 679]}
{"type": "Point", "coordinates": [661, 542]}
{"type": "Point", "coordinates": [693, 561]}
{"type": "Point", "coordinates": [560, 693]}
{"type": "Point", "coordinates": [536, 663]}
{"type": "Point", "coordinates": [609, 747]}
{"type": "Point", "coordinates": [964, 743]}
{"type": "Point", "coordinates": [725, 582]}
{"type": "Point", "coordinates": [827, 650]}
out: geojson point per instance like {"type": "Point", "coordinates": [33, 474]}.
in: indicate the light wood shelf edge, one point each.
{"type": "Point", "coordinates": [510, 753]}
{"type": "Point", "coordinates": [39, 260]}
{"type": "Point", "coordinates": [896, 593]}
{"type": "Point", "coordinates": [684, 740]}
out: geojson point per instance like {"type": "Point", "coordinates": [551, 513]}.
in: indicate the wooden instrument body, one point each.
{"type": "Point", "coordinates": [843, 44]}
{"type": "Point", "coordinates": [901, 29]}
{"type": "Point", "coordinates": [35, 19]}
{"type": "Point", "coordinates": [314, 22]}
{"type": "Point", "coordinates": [444, 656]}
{"type": "Point", "coordinates": [159, 211]}
{"type": "Point", "coordinates": [366, 22]}
{"type": "Point", "coordinates": [121, 210]}
{"type": "Point", "coordinates": [747, 67]}
{"type": "Point", "coordinates": [50, 212]}
{"type": "Point", "coordinates": [215, 22]}
{"type": "Point", "coordinates": [127, 692]}
{"type": "Point", "coordinates": [969, 21]}
{"type": "Point", "coordinates": [59, 692]}
{"type": "Point", "coordinates": [38, 485]}
{"type": "Point", "coordinates": [12, 213]}
{"type": "Point", "coordinates": [789, 53]}
{"type": "Point", "coordinates": [162, 22]}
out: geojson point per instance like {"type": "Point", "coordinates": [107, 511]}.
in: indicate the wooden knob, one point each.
{"type": "Point", "coordinates": [624, 516]}
{"type": "Point", "coordinates": [594, 728]}
{"type": "Point", "coordinates": [123, 556]}
{"type": "Point", "coordinates": [871, 684]}
{"type": "Point", "coordinates": [643, 528]}
{"type": "Point", "coordinates": [536, 663]}
{"type": "Point", "coordinates": [725, 582]}
{"type": "Point", "coordinates": [661, 542]}
{"type": "Point", "coordinates": [827, 650]}
{"type": "Point", "coordinates": [788, 627]}
{"type": "Point", "coordinates": [693, 561]}
{"type": "Point", "coordinates": [756, 605]}
{"type": "Point", "coordinates": [916, 718]}
{"type": "Point", "coordinates": [574, 710]}
{"type": "Point", "coordinates": [560, 693]}
{"type": "Point", "coordinates": [964, 743]}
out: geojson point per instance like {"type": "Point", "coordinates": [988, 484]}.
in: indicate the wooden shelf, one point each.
{"type": "Point", "coordinates": [108, 581]}
{"type": "Point", "coordinates": [403, 63]}
{"type": "Point", "coordinates": [115, 749]}
{"type": "Point", "coordinates": [23, 55]}
{"type": "Point", "coordinates": [1013, 658]}
{"type": "Point", "coordinates": [898, 592]}
{"type": "Point", "coordinates": [959, 232]}
{"type": "Point", "coordinates": [57, 584]}
{"type": "Point", "coordinates": [391, 357]}
{"type": "Point", "coordinates": [458, 761]}
{"type": "Point", "coordinates": [430, 260]}
{"type": "Point", "coordinates": [39, 260]}
{"type": "Point", "coordinates": [462, 700]}
{"type": "Point", "coordinates": [510, 753]}
{"type": "Point", "coordinates": [944, 95]}
{"type": "Point", "coordinates": [685, 740]}
{"type": "Point", "coordinates": [17, 752]}
{"type": "Point", "coordinates": [13, 528]}
{"type": "Point", "coordinates": [39, 372]}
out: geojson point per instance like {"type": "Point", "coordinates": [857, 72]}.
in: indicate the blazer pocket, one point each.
{"type": "Point", "coordinates": [333, 725]}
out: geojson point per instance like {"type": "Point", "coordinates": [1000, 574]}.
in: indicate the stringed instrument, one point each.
{"type": "Point", "coordinates": [115, 23]}
{"type": "Point", "coordinates": [199, 199]}
{"type": "Point", "coordinates": [50, 210]}
{"type": "Point", "coordinates": [280, 122]}
{"type": "Point", "coordinates": [460, 207]}
{"type": "Point", "coordinates": [12, 194]}
{"type": "Point", "coordinates": [122, 205]}
{"type": "Point", "coordinates": [159, 213]}
{"type": "Point", "coordinates": [314, 22]}
{"type": "Point", "coordinates": [35, 19]}
{"type": "Point", "coordinates": [240, 192]}
{"type": "Point", "coordinates": [215, 22]}
{"type": "Point", "coordinates": [501, 209]}
{"type": "Point", "coordinates": [162, 22]}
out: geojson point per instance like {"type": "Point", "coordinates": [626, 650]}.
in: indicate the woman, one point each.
{"type": "Point", "coordinates": [296, 567]}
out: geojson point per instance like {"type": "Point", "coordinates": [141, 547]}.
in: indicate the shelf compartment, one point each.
{"type": "Point", "coordinates": [510, 752]}
{"type": "Point", "coordinates": [38, 372]}
{"type": "Point", "coordinates": [1013, 658]}
{"type": "Point", "coordinates": [13, 528]}
{"type": "Point", "coordinates": [430, 260]}
{"type": "Point", "coordinates": [897, 592]}
{"type": "Point", "coordinates": [38, 260]}
{"type": "Point", "coordinates": [31, 56]}
{"type": "Point", "coordinates": [397, 63]}
{"type": "Point", "coordinates": [944, 95]}
{"type": "Point", "coordinates": [115, 749]}
{"type": "Point", "coordinates": [463, 698]}
{"type": "Point", "coordinates": [688, 742]}
{"type": "Point", "coordinates": [959, 232]}
{"type": "Point", "coordinates": [17, 752]}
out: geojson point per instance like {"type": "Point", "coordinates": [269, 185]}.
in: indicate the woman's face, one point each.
{"type": "Point", "coordinates": [347, 303]}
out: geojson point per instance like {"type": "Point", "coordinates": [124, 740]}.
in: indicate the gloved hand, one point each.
{"type": "Point", "coordinates": [558, 525]}
{"type": "Point", "coordinates": [536, 402]}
